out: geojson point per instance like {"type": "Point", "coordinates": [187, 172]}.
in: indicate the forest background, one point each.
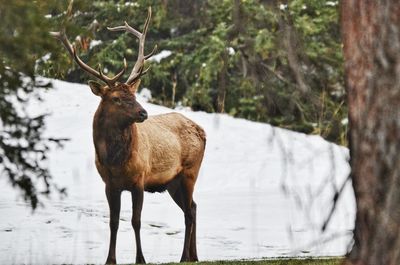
{"type": "Point", "coordinates": [278, 62]}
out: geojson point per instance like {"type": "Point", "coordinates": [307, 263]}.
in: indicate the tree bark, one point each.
{"type": "Point", "coordinates": [222, 78]}
{"type": "Point", "coordinates": [371, 38]}
{"type": "Point", "coordinates": [291, 44]}
{"type": "Point", "coordinates": [223, 74]}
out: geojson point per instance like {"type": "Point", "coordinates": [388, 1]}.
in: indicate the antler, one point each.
{"type": "Point", "coordinates": [137, 70]}
{"type": "Point", "coordinates": [72, 51]}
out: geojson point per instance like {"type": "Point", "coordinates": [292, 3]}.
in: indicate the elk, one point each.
{"type": "Point", "coordinates": [138, 153]}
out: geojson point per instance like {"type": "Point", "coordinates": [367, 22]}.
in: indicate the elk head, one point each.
{"type": "Point", "coordinates": [118, 100]}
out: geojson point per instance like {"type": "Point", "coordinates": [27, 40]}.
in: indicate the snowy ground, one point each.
{"type": "Point", "coordinates": [262, 192]}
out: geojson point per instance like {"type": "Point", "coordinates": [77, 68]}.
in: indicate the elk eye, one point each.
{"type": "Point", "coordinates": [116, 100]}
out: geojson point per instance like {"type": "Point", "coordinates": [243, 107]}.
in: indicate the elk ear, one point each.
{"type": "Point", "coordinates": [134, 87]}
{"type": "Point", "coordinates": [96, 88]}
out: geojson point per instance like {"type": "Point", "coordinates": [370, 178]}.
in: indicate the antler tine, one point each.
{"type": "Point", "coordinates": [118, 76]}
{"type": "Point", "coordinates": [137, 70]}
{"type": "Point", "coordinates": [60, 35]}
{"type": "Point", "coordinates": [72, 51]}
{"type": "Point", "coordinates": [151, 53]}
{"type": "Point", "coordinates": [145, 71]}
{"type": "Point", "coordinates": [114, 79]}
{"type": "Point", "coordinates": [127, 28]}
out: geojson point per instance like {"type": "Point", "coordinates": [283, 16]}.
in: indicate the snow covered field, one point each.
{"type": "Point", "coordinates": [262, 192]}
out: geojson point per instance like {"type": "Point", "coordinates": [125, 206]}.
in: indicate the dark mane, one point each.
{"type": "Point", "coordinates": [117, 142]}
{"type": "Point", "coordinates": [119, 147]}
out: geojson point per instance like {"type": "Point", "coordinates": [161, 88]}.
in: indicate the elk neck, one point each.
{"type": "Point", "coordinates": [113, 143]}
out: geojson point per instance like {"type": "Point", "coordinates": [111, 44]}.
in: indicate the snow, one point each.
{"type": "Point", "coordinates": [159, 56]}
{"type": "Point", "coordinates": [145, 94]}
{"type": "Point", "coordinates": [231, 51]}
{"type": "Point", "coordinates": [332, 3]}
{"type": "Point", "coordinates": [94, 43]}
{"type": "Point", "coordinates": [262, 192]}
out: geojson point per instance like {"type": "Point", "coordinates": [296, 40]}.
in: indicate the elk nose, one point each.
{"type": "Point", "coordinates": [143, 114]}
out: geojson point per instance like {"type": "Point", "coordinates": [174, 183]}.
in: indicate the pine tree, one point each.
{"type": "Point", "coordinates": [24, 41]}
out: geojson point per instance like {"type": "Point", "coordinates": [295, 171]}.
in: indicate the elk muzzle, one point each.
{"type": "Point", "coordinates": [142, 114]}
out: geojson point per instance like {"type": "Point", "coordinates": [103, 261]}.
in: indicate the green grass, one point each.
{"type": "Point", "coordinates": [306, 261]}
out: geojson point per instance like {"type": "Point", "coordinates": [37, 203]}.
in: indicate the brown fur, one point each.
{"type": "Point", "coordinates": [133, 153]}
{"type": "Point", "coordinates": [151, 153]}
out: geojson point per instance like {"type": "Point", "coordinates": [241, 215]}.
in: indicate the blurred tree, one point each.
{"type": "Point", "coordinates": [371, 37]}
{"type": "Point", "coordinates": [24, 42]}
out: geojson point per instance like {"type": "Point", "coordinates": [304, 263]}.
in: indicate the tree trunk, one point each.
{"type": "Point", "coordinates": [222, 78]}
{"type": "Point", "coordinates": [223, 74]}
{"type": "Point", "coordinates": [371, 38]}
{"type": "Point", "coordinates": [291, 44]}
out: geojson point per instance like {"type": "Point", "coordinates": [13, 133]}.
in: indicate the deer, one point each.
{"type": "Point", "coordinates": [135, 152]}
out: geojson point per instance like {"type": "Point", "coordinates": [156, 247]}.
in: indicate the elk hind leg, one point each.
{"type": "Point", "coordinates": [192, 246]}
{"type": "Point", "coordinates": [181, 191]}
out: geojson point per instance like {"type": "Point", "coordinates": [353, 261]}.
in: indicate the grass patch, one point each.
{"type": "Point", "coordinates": [307, 261]}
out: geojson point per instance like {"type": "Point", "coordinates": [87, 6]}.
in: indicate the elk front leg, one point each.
{"type": "Point", "coordinates": [137, 204]}
{"type": "Point", "coordinates": [114, 203]}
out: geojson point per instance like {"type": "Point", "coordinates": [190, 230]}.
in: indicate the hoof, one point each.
{"type": "Point", "coordinates": [140, 260]}
{"type": "Point", "coordinates": [111, 261]}
{"type": "Point", "coordinates": [192, 259]}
